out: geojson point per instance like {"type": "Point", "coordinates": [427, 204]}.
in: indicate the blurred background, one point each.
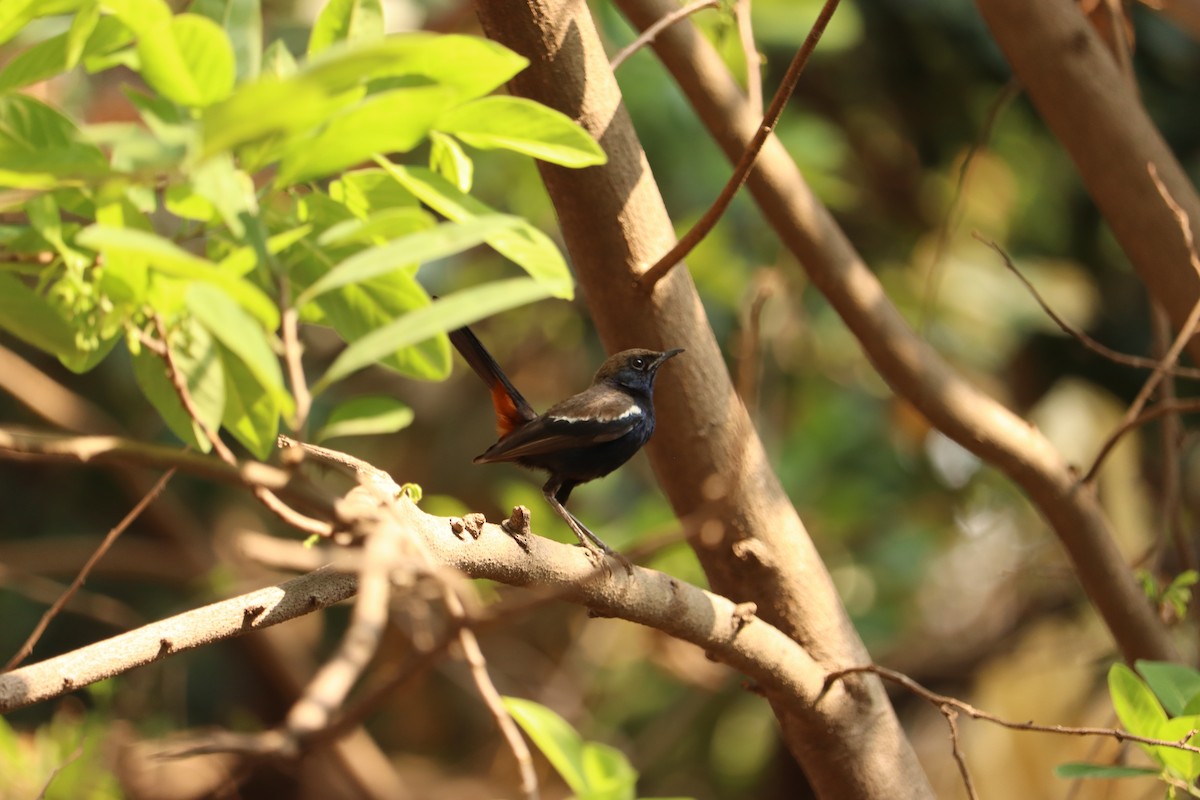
{"type": "Point", "coordinates": [906, 126]}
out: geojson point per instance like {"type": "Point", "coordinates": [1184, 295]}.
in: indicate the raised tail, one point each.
{"type": "Point", "coordinates": [512, 411]}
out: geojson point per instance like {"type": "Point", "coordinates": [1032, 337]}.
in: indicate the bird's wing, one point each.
{"type": "Point", "coordinates": [593, 417]}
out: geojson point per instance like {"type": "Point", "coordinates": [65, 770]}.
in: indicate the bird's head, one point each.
{"type": "Point", "coordinates": [633, 369]}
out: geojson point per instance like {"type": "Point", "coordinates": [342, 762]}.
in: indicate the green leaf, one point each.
{"type": "Point", "coordinates": [82, 26]}
{"type": "Point", "coordinates": [523, 126]}
{"type": "Point", "coordinates": [189, 60]}
{"type": "Point", "coordinates": [141, 16]}
{"type": "Point", "coordinates": [393, 121]}
{"type": "Point", "coordinates": [242, 21]}
{"type": "Point", "coordinates": [243, 260]}
{"type": "Point", "coordinates": [198, 360]}
{"type": "Point", "coordinates": [444, 314]}
{"type": "Point", "coordinates": [251, 414]}
{"type": "Point", "coordinates": [364, 191]}
{"type": "Point", "coordinates": [415, 248]}
{"type": "Point", "coordinates": [40, 148]}
{"type": "Point", "coordinates": [525, 245]}
{"type": "Point", "coordinates": [1183, 763]}
{"type": "Point", "coordinates": [370, 415]}
{"type": "Point", "coordinates": [465, 66]}
{"type": "Point", "coordinates": [377, 228]}
{"type": "Point", "coordinates": [88, 36]}
{"type": "Point", "coordinates": [358, 310]}
{"type": "Point", "coordinates": [469, 65]}
{"type": "Point", "coordinates": [239, 333]}
{"type": "Point", "coordinates": [32, 318]}
{"type": "Point", "coordinates": [1173, 684]}
{"type": "Point", "coordinates": [1075, 770]}
{"type": "Point", "coordinates": [277, 60]}
{"type": "Point", "coordinates": [608, 773]}
{"type": "Point", "coordinates": [167, 257]}
{"type": "Point", "coordinates": [228, 189]}
{"type": "Point", "coordinates": [346, 21]}
{"type": "Point", "coordinates": [16, 14]}
{"type": "Point", "coordinates": [240, 120]}
{"type": "Point", "coordinates": [1134, 703]}
{"type": "Point", "coordinates": [448, 159]}
{"type": "Point", "coordinates": [559, 742]}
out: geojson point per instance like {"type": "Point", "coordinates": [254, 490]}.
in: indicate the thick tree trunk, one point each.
{"type": "Point", "coordinates": [706, 453]}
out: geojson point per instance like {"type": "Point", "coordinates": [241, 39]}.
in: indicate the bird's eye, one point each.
{"type": "Point", "coordinates": [639, 363]}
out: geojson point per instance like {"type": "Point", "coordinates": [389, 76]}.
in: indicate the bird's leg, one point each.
{"type": "Point", "coordinates": [595, 546]}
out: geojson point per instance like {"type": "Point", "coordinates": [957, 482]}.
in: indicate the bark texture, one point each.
{"type": "Point", "coordinates": [706, 453]}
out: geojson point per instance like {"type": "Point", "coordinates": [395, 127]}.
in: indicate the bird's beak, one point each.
{"type": "Point", "coordinates": [658, 362]}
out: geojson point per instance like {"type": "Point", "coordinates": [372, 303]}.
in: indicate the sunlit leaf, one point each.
{"type": "Point", "coordinates": [370, 415]}
{"type": "Point", "coordinates": [1173, 684]}
{"type": "Point", "coordinates": [242, 21]}
{"type": "Point", "coordinates": [448, 159]}
{"type": "Point", "coordinates": [393, 121]}
{"type": "Point", "coordinates": [523, 126]}
{"type": "Point", "coordinates": [168, 257]}
{"type": "Point", "coordinates": [346, 21]}
{"type": "Point", "coordinates": [40, 148]}
{"type": "Point", "coordinates": [188, 59]}
{"type": "Point", "coordinates": [195, 354]}
{"type": "Point", "coordinates": [58, 54]}
{"type": "Point", "coordinates": [251, 414]}
{"type": "Point", "coordinates": [525, 245]}
{"type": "Point", "coordinates": [141, 16]}
{"type": "Point", "coordinates": [444, 314]}
{"type": "Point", "coordinates": [415, 248]}
{"type": "Point", "coordinates": [559, 742]}
{"type": "Point", "coordinates": [32, 318]}
{"type": "Point", "coordinates": [377, 228]}
{"type": "Point", "coordinates": [239, 333]}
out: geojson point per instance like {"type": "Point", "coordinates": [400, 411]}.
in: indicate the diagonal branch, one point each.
{"type": "Point", "coordinates": [910, 366]}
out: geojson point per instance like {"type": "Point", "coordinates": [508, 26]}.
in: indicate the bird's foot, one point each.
{"type": "Point", "coordinates": [599, 553]}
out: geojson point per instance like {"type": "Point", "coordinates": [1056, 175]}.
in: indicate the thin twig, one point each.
{"type": "Point", "coordinates": [25, 649]}
{"type": "Point", "coordinates": [491, 698]}
{"type": "Point", "coordinates": [1181, 339]}
{"type": "Point", "coordinates": [754, 91]}
{"type": "Point", "coordinates": [693, 237]}
{"type": "Point", "coordinates": [1150, 414]}
{"type": "Point", "coordinates": [1170, 436]}
{"type": "Point", "coordinates": [1117, 357]}
{"type": "Point", "coordinates": [292, 355]}
{"type": "Point", "coordinates": [291, 516]}
{"type": "Point", "coordinates": [945, 701]}
{"type": "Point", "coordinates": [954, 211]}
{"type": "Point", "coordinates": [651, 33]}
{"type": "Point", "coordinates": [74, 756]}
{"type": "Point", "coordinates": [355, 466]}
{"type": "Point", "coordinates": [960, 758]}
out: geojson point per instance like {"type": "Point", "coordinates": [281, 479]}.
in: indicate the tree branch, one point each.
{"type": "Point", "coordinates": [705, 452]}
{"type": "Point", "coordinates": [911, 367]}
{"type": "Point", "coordinates": [259, 609]}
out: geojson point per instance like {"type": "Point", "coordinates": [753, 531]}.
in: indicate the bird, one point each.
{"type": "Point", "coordinates": [582, 438]}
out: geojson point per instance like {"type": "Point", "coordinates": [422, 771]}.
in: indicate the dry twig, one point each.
{"type": "Point", "coordinates": [694, 236]}
{"type": "Point", "coordinates": [1181, 339]}
{"type": "Point", "coordinates": [650, 34]}
{"type": "Point", "coordinates": [25, 649]}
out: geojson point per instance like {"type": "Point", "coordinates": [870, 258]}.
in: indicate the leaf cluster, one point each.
{"type": "Point", "coordinates": [254, 185]}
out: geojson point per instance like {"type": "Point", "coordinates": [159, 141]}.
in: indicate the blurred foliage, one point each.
{"type": "Point", "coordinates": [943, 565]}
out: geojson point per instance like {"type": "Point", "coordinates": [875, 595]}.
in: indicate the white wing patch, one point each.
{"type": "Point", "coordinates": [628, 413]}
